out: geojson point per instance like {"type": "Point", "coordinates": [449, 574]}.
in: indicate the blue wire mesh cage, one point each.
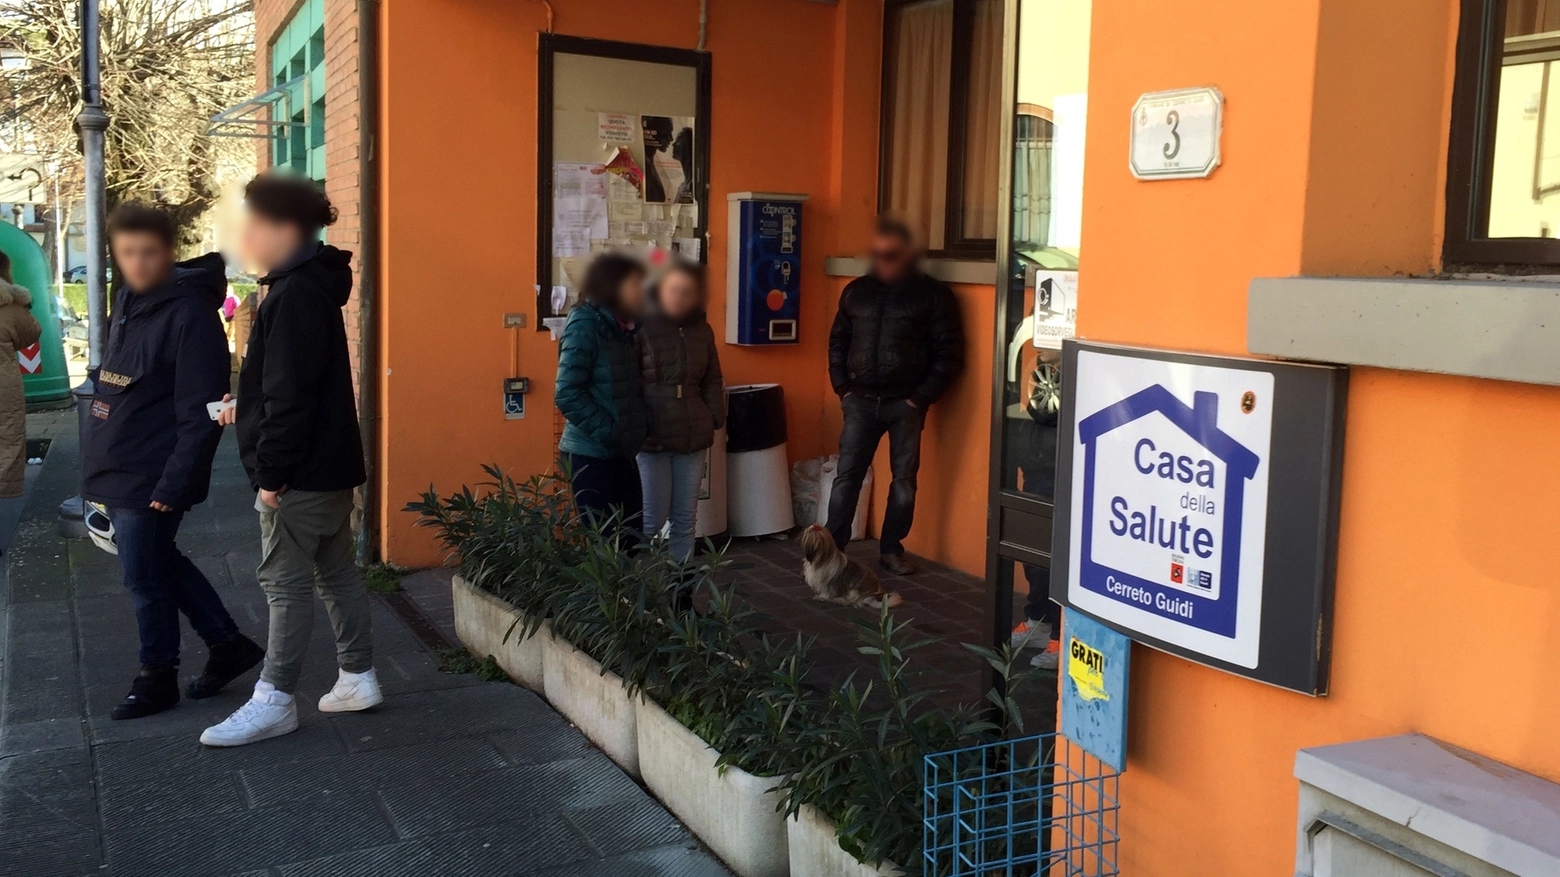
{"type": "Point", "coordinates": [1031, 807]}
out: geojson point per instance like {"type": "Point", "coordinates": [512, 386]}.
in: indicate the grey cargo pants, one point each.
{"type": "Point", "coordinates": [306, 547]}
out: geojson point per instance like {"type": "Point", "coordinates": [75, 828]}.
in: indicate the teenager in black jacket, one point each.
{"type": "Point", "coordinates": [146, 451]}
{"type": "Point", "coordinates": [896, 346]}
{"type": "Point", "coordinates": [299, 441]}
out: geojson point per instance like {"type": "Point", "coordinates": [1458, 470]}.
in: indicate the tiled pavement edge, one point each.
{"type": "Point", "coordinates": [449, 776]}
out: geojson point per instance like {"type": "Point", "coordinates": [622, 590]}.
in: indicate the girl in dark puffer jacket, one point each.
{"type": "Point", "coordinates": [598, 392]}
{"type": "Point", "coordinates": [680, 372]}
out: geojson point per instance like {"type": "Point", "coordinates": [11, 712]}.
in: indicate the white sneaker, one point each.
{"type": "Point", "coordinates": [1050, 659]}
{"type": "Point", "coordinates": [1030, 634]}
{"type": "Point", "coordinates": [353, 692]}
{"type": "Point", "coordinates": [269, 713]}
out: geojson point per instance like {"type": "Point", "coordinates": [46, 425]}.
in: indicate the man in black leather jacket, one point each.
{"type": "Point", "coordinates": [896, 346]}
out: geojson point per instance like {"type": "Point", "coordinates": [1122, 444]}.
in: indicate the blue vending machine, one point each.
{"type": "Point", "coordinates": [764, 268]}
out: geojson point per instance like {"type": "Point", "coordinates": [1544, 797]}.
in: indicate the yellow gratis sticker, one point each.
{"type": "Point", "coordinates": [1086, 666]}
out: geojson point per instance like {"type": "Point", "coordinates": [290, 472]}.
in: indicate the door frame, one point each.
{"type": "Point", "coordinates": [1003, 503]}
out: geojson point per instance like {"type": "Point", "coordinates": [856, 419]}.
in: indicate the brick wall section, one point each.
{"type": "Point", "coordinates": [341, 123]}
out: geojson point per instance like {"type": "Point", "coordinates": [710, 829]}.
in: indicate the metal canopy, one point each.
{"type": "Point", "coordinates": [234, 121]}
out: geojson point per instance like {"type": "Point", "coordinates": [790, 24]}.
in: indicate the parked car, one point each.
{"type": "Point", "coordinates": [77, 274]}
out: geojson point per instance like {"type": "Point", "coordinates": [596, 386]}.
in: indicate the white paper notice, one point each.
{"type": "Point", "coordinates": [616, 128]}
{"type": "Point", "coordinates": [560, 297]}
{"type": "Point", "coordinates": [1056, 307]}
{"type": "Point", "coordinates": [626, 211]}
{"type": "Point", "coordinates": [579, 207]}
{"type": "Point", "coordinates": [669, 171]}
{"type": "Point", "coordinates": [572, 180]}
{"type": "Point", "coordinates": [568, 242]}
{"type": "Point", "coordinates": [584, 214]}
{"type": "Point", "coordinates": [688, 248]}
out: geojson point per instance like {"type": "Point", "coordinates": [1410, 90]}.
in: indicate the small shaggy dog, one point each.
{"type": "Point", "coordinates": [835, 578]}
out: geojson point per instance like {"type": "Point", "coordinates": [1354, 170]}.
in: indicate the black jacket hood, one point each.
{"type": "Point", "coordinates": [334, 264]}
{"type": "Point", "coordinates": [203, 276]}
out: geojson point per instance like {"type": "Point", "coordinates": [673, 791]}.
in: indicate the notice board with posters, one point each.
{"type": "Point", "coordinates": [623, 159]}
{"type": "Point", "coordinates": [1197, 505]}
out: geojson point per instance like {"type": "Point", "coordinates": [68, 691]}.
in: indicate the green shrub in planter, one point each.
{"type": "Point", "coordinates": [855, 751]}
{"type": "Point", "coordinates": [516, 540]}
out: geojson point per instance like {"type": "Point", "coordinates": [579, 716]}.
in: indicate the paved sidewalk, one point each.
{"type": "Point", "coordinates": [449, 776]}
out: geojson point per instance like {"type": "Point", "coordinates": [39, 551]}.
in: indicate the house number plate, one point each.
{"type": "Point", "coordinates": [1175, 134]}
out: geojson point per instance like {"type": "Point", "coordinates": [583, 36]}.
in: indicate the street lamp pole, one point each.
{"type": "Point", "coordinates": [94, 122]}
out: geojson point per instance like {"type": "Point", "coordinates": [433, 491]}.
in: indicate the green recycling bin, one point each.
{"type": "Point", "coordinates": [44, 375]}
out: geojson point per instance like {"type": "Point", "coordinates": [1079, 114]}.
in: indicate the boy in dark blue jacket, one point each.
{"type": "Point", "coordinates": [147, 448]}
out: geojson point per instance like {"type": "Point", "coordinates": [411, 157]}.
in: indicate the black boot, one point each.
{"type": "Point", "coordinates": [156, 688]}
{"type": "Point", "coordinates": [225, 662]}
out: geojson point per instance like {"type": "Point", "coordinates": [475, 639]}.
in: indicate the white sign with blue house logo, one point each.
{"type": "Point", "coordinates": [1169, 490]}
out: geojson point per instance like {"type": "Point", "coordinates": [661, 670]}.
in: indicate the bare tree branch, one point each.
{"type": "Point", "coordinates": [168, 67]}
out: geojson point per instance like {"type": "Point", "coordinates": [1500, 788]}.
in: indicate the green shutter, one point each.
{"type": "Point", "coordinates": [299, 50]}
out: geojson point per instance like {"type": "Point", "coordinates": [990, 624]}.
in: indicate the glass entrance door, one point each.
{"type": "Point", "coordinates": [1037, 306]}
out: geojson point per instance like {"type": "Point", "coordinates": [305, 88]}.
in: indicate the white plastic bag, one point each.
{"type": "Point", "coordinates": [804, 490]}
{"type": "Point", "coordinates": [858, 526]}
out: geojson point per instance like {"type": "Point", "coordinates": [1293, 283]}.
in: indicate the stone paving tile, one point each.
{"type": "Point", "coordinates": [517, 847]}
{"type": "Point", "coordinates": [29, 810]}
{"type": "Point", "coordinates": [424, 717]}
{"type": "Point", "coordinates": [494, 797]}
{"type": "Point", "coordinates": [269, 784]}
{"type": "Point", "coordinates": [180, 797]}
{"type": "Point", "coordinates": [64, 850]}
{"type": "Point", "coordinates": [538, 744]}
{"type": "Point", "coordinates": [42, 736]}
{"type": "Point", "coordinates": [250, 838]}
{"type": "Point", "coordinates": [611, 829]}
{"type": "Point", "coordinates": [678, 860]}
{"type": "Point", "coordinates": [430, 590]}
{"type": "Point", "coordinates": [139, 761]}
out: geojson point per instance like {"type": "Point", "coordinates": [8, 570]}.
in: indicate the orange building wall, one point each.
{"type": "Point", "coordinates": [1334, 152]}
{"type": "Point", "coordinates": [458, 152]}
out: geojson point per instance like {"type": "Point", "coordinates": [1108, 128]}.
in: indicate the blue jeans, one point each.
{"type": "Point", "coordinates": [671, 487]}
{"type": "Point", "coordinates": [163, 582]}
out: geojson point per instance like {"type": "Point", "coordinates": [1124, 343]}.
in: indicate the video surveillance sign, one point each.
{"type": "Point", "coordinates": [1199, 502]}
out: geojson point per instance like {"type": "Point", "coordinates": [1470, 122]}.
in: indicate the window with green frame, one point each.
{"type": "Point", "coordinates": [299, 53]}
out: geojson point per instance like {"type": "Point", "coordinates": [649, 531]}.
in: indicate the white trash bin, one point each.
{"type": "Point", "coordinates": [711, 519]}
{"type": "Point", "coordinates": [758, 477]}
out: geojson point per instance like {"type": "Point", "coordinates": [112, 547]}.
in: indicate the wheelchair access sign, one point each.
{"type": "Point", "coordinates": [1168, 504]}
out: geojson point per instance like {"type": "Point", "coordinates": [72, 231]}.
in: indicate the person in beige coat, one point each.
{"type": "Point", "coordinates": [18, 329]}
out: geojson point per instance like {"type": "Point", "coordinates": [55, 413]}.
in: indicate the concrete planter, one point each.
{"type": "Point", "coordinates": [734, 812]}
{"type": "Point", "coordinates": [482, 621]}
{"type": "Point", "coordinates": [815, 849]}
{"type": "Point", "coordinates": [596, 703]}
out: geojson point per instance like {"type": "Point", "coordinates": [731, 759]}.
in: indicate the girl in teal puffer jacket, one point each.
{"type": "Point", "coordinates": [598, 391]}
